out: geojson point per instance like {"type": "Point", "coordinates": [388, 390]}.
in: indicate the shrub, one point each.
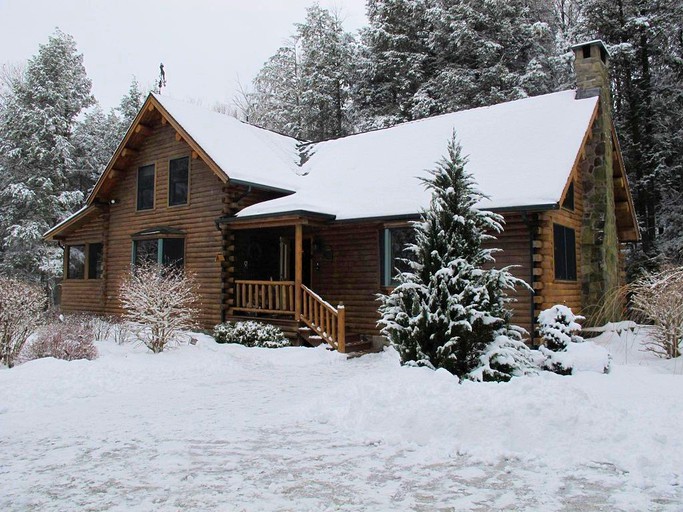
{"type": "Point", "coordinates": [161, 301]}
{"type": "Point", "coordinates": [657, 298]}
{"type": "Point", "coordinates": [558, 327]}
{"type": "Point", "coordinates": [69, 338]}
{"type": "Point", "coordinates": [250, 334]}
{"type": "Point", "coordinates": [506, 357]}
{"type": "Point", "coordinates": [22, 307]}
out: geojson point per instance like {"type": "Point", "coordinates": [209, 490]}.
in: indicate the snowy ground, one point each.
{"type": "Point", "coordinates": [212, 427]}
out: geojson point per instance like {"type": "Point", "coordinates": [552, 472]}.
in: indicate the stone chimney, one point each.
{"type": "Point", "coordinates": [599, 244]}
{"type": "Point", "coordinates": [590, 66]}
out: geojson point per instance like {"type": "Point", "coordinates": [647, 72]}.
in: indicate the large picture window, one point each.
{"type": "Point", "coordinates": [146, 187]}
{"type": "Point", "coordinates": [565, 252]}
{"type": "Point", "coordinates": [162, 251]}
{"type": "Point", "coordinates": [178, 181]}
{"type": "Point", "coordinates": [393, 242]}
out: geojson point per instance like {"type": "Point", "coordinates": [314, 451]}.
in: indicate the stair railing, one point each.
{"type": "Point", "coordinates": [322, 318]}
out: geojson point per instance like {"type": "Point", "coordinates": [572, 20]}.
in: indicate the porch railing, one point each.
{"type": "Point", "coordinates": [272, 297]}
{"type": "Point", "coordinates": [325, 320]}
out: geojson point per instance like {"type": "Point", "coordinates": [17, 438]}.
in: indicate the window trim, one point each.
{"type": "Point", "coordinates": [189, 181]}
{"type": "Point", "coordinates": [137, 189]}
{"type": "Point", "coordinates": [567, 279]}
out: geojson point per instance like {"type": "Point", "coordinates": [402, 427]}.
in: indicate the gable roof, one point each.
{"type": "Point", "coordinates": [520, 154]}
{"type": "Point", "coordinates": [245, 153]}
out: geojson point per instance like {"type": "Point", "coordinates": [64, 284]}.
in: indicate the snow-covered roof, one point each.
{"type": "Point", "coordinates": [521, 154]}
{"type": "Point", "coordinates": [245, 153]}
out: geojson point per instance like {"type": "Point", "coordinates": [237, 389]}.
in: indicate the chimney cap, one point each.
{"type": "Point", "coordinates": [594, 42]}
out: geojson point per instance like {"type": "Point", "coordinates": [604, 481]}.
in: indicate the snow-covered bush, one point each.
{"type": "Point", "coordinates": [657, 298]}
{"type": "Point", "coordinates": [161, 301]}
{"type": "Point", "coordinates": [558, 326]}
{"type": "Point", "coordinates": [68, 338]}
{"type": "Point", "coordinates": [22, 306]}
{"type": "Point", "coordinates": [586, 356]}
{"type": "Point", "coordinates": [250, 334]}
{"type": "Point", "coordinates": [447, 308]}
{"type": "Point", "coordinates": [565, 351]}
{"type": "Point", "coordinates": [507, 357]}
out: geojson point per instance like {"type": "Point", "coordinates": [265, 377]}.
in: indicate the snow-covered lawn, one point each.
{"type": "Point", "coordinates": [215, 427]}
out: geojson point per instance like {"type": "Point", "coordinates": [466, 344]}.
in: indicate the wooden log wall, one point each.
{"type": "Point", "coordinates": [203, 241]}
{"type": "Point", "coordinates": [516, 244]}
{"type": "Point", "coordinates": [551, 291]}
{"type": "Point", "coordinates": [352, 275]}
{"type": "Point", "coordinates": [84, 295]}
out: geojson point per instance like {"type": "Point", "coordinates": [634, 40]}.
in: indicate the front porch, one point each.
{"type": "Point", "coordinates": [275, 267]}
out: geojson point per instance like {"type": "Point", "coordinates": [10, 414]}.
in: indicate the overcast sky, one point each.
{"type": "Point", "coordinates": [205, 45]}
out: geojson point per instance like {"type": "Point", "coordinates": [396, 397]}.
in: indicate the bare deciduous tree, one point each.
{"type": "Point", "coordinates": [21, 310]}
{"type": "Point", "coordinates": [658, 298]}
{"type": "Point", "coordinates": [161, 300]}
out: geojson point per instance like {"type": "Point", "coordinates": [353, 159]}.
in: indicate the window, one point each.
{"type": "Point", "coordinates": [568, 202]}
{"type": "Point", "coordinates": [164, 251]}
{"type": "Point", "coordinates": [178, 174]}
{"type": "Point", "coordinates": [84, 257]}
{"type": "Point", "coordinates": [75, 256]}
{"type": "Point", "coordinates": [565, 252]}
{"type": "Point", "coordinates": [393, 242]}
{"type": "Point", "coordinates": [146, 187]}
{"type": "Point", "coordinates": [94, 261]}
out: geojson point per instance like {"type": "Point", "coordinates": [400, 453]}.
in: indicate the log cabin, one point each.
{"type": "Point", "coordinates": [305, 235]}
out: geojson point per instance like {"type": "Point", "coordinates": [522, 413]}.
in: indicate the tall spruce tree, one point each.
{"type": "Point", "coordinates": [447, 310]}
{"type": "Point", "coordinates": [37, 119]}
{"type": "Point", "coordinates": [303, 90]}
{"type": "Point", "coordinates": [645, 44]}
{"type": "Point", "coordinates": [425, 57]}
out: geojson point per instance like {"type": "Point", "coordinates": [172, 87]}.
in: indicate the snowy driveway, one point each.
{"type": "Point", "coordinates": [212, 427]}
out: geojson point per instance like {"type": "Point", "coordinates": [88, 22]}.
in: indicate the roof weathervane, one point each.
{"type": "Point", "coordinates": [162, 78]}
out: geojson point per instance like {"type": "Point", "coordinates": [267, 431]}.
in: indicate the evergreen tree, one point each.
{"type": "Point", "coordinates": [644, 40]}
{"type": "Point", "coordinates": [393, 63]}
{"type": "Point", "coordinates": [302, 90]}
{"type": "Point", "coordinates": [427, 57]}
{"type": "Point", "coordinates": [36, 124]}
{"type": "Point", "coordinates": [130, 105]}
{"type": "Point", "coordinates": [447, 309]}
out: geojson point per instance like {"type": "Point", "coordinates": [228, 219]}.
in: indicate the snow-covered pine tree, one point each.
{"type": "Point", "coordinates": [447, 310]}
{"type": "Point", "coordinates": [393, 61]}
{"type": "Point", "coordinates": [37, 118]}
{"type": "Point", "coordinates": [424, 57]}
{"type": "Point", "coordinates": [646, 67]}
{"type": "Point", "coordinates": [302, 90]}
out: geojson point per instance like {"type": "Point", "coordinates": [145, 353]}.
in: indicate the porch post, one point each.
{"type": "Point", "coordinates": [298, 257]}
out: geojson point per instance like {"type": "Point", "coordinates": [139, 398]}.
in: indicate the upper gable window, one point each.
{"type": "Point", "coordinates": [178, 181]}
{"type": "Point", "coordinates": [146, 187]}
{"type": "Point", "coordinates": [568, 202]}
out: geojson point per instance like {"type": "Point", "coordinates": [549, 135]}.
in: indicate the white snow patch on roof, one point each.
{"type": "Point", "coordinates": [244, 152]}
{"type": "Point", "coordinates": [520, 153]}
